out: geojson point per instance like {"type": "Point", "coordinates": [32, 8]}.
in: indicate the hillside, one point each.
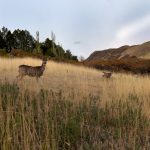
{"type": "Point", "coordinates": [135, 59]}
{"type": "Point", "coordinates": [139, 51]}
{"type": "Point", "coordinates": [72, 107]}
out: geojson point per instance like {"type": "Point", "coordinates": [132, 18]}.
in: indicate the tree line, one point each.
{"type": "Point", "coordinates": [23, 40]}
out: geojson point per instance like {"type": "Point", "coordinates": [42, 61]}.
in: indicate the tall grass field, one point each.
{"type": "Point", "coordinates": [72, 108]}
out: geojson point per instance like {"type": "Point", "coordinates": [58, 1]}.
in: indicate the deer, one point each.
{"type": "Point", "coordinates": [37, 71]}
{"type": "Point", "coordinates": [107, 74]}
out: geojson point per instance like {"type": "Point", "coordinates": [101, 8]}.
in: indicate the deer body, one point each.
{"type": "Point", "coordinates": [107, 74]}
{"type": "Point", "coordinates": [37, 71]}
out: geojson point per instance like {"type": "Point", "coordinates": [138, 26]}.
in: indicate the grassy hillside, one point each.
{"type": "Point", "coordinates": [72, 108]}
{"type": "Point", "coordinates": [135, 59]}
{"type": "Point", "coordinates": [138, 51]}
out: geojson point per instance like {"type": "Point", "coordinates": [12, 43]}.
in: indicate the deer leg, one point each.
{"type": "Point", "coordinates": [18, 76]}
{"type": "Point", "coordinates": [37, 79]}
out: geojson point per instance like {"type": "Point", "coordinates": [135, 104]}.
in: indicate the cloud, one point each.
{"type": "Point", "coordinates": [134, 28]}
{"type": "Point", "coordinates": [77, 42]}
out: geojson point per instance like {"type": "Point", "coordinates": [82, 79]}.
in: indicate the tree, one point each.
{"type": "Point", "coordinates": [75, 58]}
{"type": "Point", "coordinates": [37, 49]}
{"type": "Point", "coordinates": [48, 43]}
{"type": "Point", "coordinates": [3, 37]}
{"type": "Point", "coordinates": [53, 38]}
{"type": "Point", "coordinates": [6, 39]}
{"type": "Point", "coordinates": [2, 42]}
{"type": "Point", "coordinates": [81, 58]}
{"type": "Point", "coordinates": [60, 52]}
{"type": "Point", "coordinates": [68, 54]}
{"type": "Point", "coordinates": [37, 37]}
{"type": "Point", "coordinates": [4, 32]}
{"type": "Point", "coordinates": [44, 49]}
{"type": "Point", "coordinates": [10, 39]}
{"type": "Point", "coordinates": [23, 40]}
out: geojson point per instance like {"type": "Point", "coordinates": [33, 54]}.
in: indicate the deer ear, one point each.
{"type": "Point", "coordinates": [45, 58]}
{"type": "Point", "coordinates": [42, 57]}
{"type": "Point", "coordinates": [48, 57]}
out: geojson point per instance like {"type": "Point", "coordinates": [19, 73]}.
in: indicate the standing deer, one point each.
{"type": "Point", "coordinates": [107, 74]}
{"type": "Point", "coordinates": [37, 71]}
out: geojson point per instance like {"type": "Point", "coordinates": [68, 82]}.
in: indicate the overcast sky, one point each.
{"type": "Point", "coordinates": [81, 25]}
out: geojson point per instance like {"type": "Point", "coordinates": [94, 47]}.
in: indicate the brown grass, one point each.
{"type": "Point", "coordinates": [82, 81]}
{"type": "Point", "coordinates": [77, 85]}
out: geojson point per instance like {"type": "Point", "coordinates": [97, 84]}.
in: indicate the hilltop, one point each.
{"type": "Point", "coordinates": [139, 51]}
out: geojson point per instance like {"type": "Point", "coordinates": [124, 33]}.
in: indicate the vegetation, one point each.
{"type": "Point", "coordinates": [22, 40]}
{"type": "Point", "coordinates": [72, 108]}
{"type": "Point", "coordinates": [134, 65]}
{"type": "Point", "coordinates": [47, 120]}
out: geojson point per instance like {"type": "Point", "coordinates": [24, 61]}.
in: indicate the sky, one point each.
{"type": "Point", "coordinates": [82, 26]}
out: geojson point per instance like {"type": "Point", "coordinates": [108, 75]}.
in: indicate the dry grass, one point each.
{"type": "Point", "coordinates": [83, 81]}
{"type": "Point", "coordinates": [82, 87]}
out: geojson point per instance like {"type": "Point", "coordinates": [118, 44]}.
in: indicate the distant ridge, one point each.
{"type": "Point", "coordinates": [138, 51]}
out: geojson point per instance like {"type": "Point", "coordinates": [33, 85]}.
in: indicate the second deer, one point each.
{"type": "Point", "coordinates": [107, 74]}
{"type": "Point", "coordinates": [37, 71]}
